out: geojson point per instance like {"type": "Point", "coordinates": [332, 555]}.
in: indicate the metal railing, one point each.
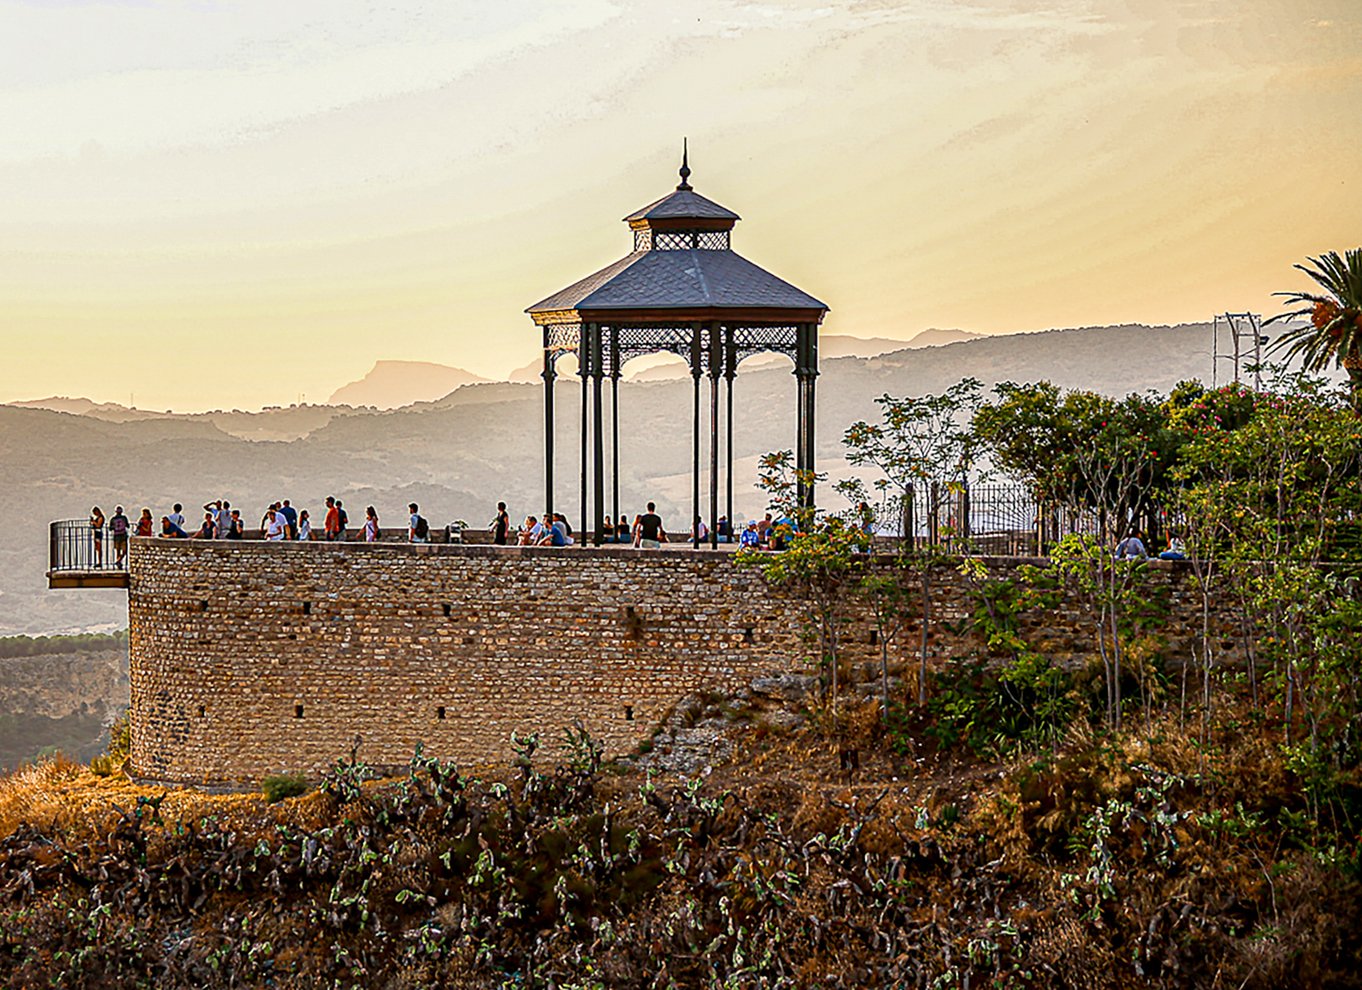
{"type": "Point", "coordinates": [76, 546]}
{"type": "Point", "coordinates": [994, 518]}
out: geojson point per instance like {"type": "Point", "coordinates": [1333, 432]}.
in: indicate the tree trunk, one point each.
{"type": "Point", "coordinates": [1352, 364]}
{"type": "Point", "coordinates": [926, 618]}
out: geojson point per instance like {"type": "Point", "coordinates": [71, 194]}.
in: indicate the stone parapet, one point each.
{"type": "Point", "coordinates": [251, 658]}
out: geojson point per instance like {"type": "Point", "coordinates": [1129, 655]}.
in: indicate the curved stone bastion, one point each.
{"type": "Point", "coordinates": [252, 658]}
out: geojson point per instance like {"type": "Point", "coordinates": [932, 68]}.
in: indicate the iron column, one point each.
{"type": "Point", "coordinates": [549, 375]}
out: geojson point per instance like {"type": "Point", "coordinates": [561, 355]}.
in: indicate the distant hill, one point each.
{"type": "Point", "coordinates": [391, 384]}
{"type": "Point", "coordinates": [111, 411]}
{"type": "Point", "coordinates": [459, 454]}
{"type": "Point", "coordinates": [270, 423]}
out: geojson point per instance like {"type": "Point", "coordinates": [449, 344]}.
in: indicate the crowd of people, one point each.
{"type": "Point", "coordinates": [282, 521]}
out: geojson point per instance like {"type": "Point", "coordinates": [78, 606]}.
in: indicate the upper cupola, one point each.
{"type": "Point", "coordinates": [682, 220]}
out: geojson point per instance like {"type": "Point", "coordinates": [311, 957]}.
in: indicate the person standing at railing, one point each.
{"type": "Point", "coordinates": [304, 527]}
{"type": "Point", "coordinates": [501, 525]}
{"type": "Point", "coordinates": [118, 526]}
{"type": "Point", "coordinates": [276, 526]}
{"type": "Point", "coordinates": [332, 522]}
{"type": "Point", "coordinates": [97, 534]}
{"type": "Point", "coordinates": [290, 515]}
{"type": "Point", "coordinates": [177, 515]}
{"type": "Point", "coordinates": [145, 525]}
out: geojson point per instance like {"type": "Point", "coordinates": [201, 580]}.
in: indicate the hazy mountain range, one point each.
{"type": "Point", "coordinates": [459, 454]}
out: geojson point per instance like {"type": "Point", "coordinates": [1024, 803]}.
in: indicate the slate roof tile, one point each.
{"type": "Point", "coordinates": [683, 203]}
{"type": "Point", "coordinates": [679, 279]}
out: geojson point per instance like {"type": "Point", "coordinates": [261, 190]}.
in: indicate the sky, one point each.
{"type": "Point", "coordinates": [228, 205]}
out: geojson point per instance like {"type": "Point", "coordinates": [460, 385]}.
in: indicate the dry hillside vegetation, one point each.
{"type": "Point", "coordinates": [1129, 860]}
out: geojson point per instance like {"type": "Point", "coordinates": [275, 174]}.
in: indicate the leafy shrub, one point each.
{"type": "Point", "coordinates": [278, 786]}
{"type": "Point", "coordinates": [120, 746]}
{"type": "Point", "coordinates": [990, 711]}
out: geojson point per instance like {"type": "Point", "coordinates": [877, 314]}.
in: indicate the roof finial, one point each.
{"type": "Point", "coordinates": [685, 168]}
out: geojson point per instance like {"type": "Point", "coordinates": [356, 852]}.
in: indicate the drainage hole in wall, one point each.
{"type": "Point", "coordinates": [203, 606]}
{"type": "Point", "coordinates": [202, 711]}
{"type": "Point", "coordinates": [440, 713]}
{"type": "Point", "coordinates": [307, 608]}
{"type": "Point", "coordinates": [874, 636]}
{"type": "Point", "coordinates": [297, 711]}
{"type": "Point", "coordinates": [747, 636]}
{"type": "Point", "coordinates": [449, 609]}
{"type": "Point", "coordinates": [628, 713]}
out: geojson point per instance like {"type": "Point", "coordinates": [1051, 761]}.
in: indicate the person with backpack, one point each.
{"type": "Point", "coordinates": [342, 520]}
{"type": "Point", "coordinates": [418, 530]}
{"type": "Point", "coordinates": [118, 527]}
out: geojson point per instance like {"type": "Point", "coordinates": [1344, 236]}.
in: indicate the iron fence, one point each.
{"type": "Point", "coordinates": [994, 518]}
{"type": "Point", "coordinates": [75, 545]}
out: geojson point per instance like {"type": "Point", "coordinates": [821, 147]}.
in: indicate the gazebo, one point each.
{"type": "Point", "coordinates": [685, 291]}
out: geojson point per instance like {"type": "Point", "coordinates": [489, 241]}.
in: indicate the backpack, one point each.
{"type": "Point", "coordinates": [118, 525]}
{"type": "Point", "coordinates": [422, 528]}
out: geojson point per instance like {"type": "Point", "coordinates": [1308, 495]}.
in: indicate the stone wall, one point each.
{"type": "Point", "coordinates": [253, 658]}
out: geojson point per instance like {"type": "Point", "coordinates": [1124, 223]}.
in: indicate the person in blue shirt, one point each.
{"type": "Point", "coordinates": [1131, 548]}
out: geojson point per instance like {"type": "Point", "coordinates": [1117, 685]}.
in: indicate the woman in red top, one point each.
{"type": "Point", "coordinates": [144, 525]}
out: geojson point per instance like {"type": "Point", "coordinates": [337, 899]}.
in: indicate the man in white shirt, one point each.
{"type": "Point", "coordinates": [177, 515]}
{"type": "Point", "coordinates": [275, 526]}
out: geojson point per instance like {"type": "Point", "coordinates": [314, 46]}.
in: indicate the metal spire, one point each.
{"type": "Point", "coordinates": [685, 168]}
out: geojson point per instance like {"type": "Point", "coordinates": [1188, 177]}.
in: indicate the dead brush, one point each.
{"type": "Point", "coordinates": [31, 794]}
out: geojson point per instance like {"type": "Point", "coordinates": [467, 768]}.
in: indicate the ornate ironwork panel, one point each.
{"type": "Point", "coordinates": [754, 340]}
{"type": "Point", "coordinates": [712, 240]}
{"type": "Point", "coordinates": [673, 240]}
{"type": "Point", "coordinates": [562, 338]}
{"type": "Point", "coordinates": [643, 239]}
{"type": "Point", "coordinates": [638, 341]}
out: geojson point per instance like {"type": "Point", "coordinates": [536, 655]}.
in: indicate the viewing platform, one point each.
{"type": "Point", "coordinates": [991, 520]}
{"type": "Point", "coordinates": [78, 558]}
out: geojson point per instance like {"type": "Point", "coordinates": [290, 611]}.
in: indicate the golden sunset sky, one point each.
{"type": "Point", "coordinates": [210, 205]}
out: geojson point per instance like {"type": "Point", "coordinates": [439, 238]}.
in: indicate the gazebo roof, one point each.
{"type": "Point", "coordinates": [688, 279]}
{"type": "Point", "coordinates": [683, 203]}
{"type": "Point", "coordinates": [682, 266]}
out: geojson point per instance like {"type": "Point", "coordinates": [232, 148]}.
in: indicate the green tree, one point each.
{"type": "Point", "coordinates": [1079, 450]}
{"type": "Point", "coordinates": [921, 444]}
{"type": "Point", "coordinates": [819, 563]}
{"type": "Point", "coordinates": [1334, 333]}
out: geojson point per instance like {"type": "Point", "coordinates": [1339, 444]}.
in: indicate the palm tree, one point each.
{"type": "Point", "coordinates": [1334, 333]}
